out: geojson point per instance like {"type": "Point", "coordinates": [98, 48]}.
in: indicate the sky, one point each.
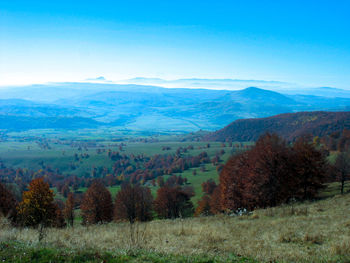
{"type": "Point", "coordinates": [304, 42]}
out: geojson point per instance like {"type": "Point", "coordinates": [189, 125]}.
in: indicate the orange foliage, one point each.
{"type": "Point", "coordinates": [203, 208]}
{"type": "Point", "coordinates": [37, 206]}
{"type": "Point", "coordinates": [215, 201]}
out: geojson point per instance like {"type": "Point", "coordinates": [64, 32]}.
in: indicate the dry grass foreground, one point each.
{"type": "Point", "coordinates": [313, 232]}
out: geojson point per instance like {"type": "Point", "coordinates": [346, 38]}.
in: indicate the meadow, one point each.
{"type": "Point", "coordinates": [315, 231]}
{"type": "Point", "coordinates": [22, 150]}
{"type": "Point", "coordinates": [304, 232]}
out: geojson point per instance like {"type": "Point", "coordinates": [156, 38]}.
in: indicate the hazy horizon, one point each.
{"type": "Point", "coordinates": [185, 83]}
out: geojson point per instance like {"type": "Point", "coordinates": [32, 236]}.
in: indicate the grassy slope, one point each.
{"type": "Point", "coordinates": [316, 232]}
{"type": "Point", "coordinates": [16, 252]}
{"type": "Point", "coordinates": [308, 232]}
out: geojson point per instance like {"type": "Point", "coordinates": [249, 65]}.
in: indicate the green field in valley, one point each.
{"type": "Point", "coordinates": [35, 150]}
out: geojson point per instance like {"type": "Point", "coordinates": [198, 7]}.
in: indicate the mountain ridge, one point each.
{"type": "Point", "coordinates": [146, 107]}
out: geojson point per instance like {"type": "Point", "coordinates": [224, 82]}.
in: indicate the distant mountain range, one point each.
{"type": "Point", "coordinates": [151, 108]}
{"type": "Point", "coordinates": [237, 84]}
{"type": "Point", "coordinates": [217, 84]}
{"type": "Point", "coordinates": [289, 126]}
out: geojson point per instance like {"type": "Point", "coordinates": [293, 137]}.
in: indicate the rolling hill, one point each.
{"type": "Point", "coordinates": [289, 126]}
{"type": "Point", "coordinates": [149, 108]}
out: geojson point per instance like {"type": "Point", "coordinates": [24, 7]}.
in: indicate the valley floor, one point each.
{"type": "Point", "coordinates": [308, 232]}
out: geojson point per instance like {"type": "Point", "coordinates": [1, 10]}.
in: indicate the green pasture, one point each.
{"type": "Point", "coordinates": [21, 150]}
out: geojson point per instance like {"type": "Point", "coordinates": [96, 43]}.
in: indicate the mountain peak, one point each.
{"type": "Point", "coordinates": [255, 89]}
{"type": "Point", "coordinates": [100, 78]}
{"type": "Point", "coordinates": [263, 96]}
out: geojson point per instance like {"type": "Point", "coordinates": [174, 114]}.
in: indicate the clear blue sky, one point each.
{"type": "Point", "coordinates": [305, 42]}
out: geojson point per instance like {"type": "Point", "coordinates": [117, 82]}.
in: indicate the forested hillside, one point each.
{"type": "Point", "coordinates": [289, 126]}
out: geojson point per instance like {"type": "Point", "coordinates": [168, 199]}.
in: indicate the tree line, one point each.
{"type": "Point", "coordinates": [136, 169]}
{"type": "Point", "coordinates": [271, 173]}
{"type": "Point", "coordinates": [132, 203]}
{"type": "Point", "coordinates": [268, 174]}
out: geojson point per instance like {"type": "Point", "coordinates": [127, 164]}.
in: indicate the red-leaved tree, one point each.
{"type": "Point", "coordinates": [311, 169]}
{"type": "Point", "coordinates": [209, 186]}
{"type": "Point", "coordinates": [97, 205]}
{"type": "Point", "coordinates": [69, 209]}
{"type": "Point", "coordinates": [272, 173]}
{"type": "Point", "coordinates": [133, 203]}
{"type": "Point", "coordinates": [173, 202]}
{"type": "Point", "coordinates": [7, 203]}
{"type": "Point", "coordinates": [203, 208]}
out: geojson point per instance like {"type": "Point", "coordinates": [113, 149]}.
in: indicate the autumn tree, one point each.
{"type": "Point", "coordinates": [188, 190]}
{"type": "Point", "coordinates": [7, 203]}
{"type": "Point", "coordinates": [69, 209]}
{"type": "Point", "coordinates": [311, 168]}
{"type": "Point", "coordinates": [160, 181]}
{"type": "Point", "coordinates": [97, 205]}
{"type": "Point", "coordinates": [203, 208]}
{"type": "Point", "coordinates": [215, 201]}
{"type": "Point", "coordinates": [271, 173]}
{"type": "Point", "coordinates": [257, 177]}
{"type": "Point", "coordinates": [133, 203]}
{"type": "Point", "coordinates": [172, 202]}
{"type": "Point", "coordinates": [209, 203]}
{"type": "Point", "coordinates": [37, 206]}
{"type": "Point", "coordinates": [270, 179]}
{"type": "Point", "coordinates": [59, 217]}
{"type": "Point", "coordinates": [232, 183]}
{"type": "Point", "coordinates": [342, 167]}
{"type": "Point", "coordinates": [208, 186]}
{"type": "Point", "coordinates": [65, 190]}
